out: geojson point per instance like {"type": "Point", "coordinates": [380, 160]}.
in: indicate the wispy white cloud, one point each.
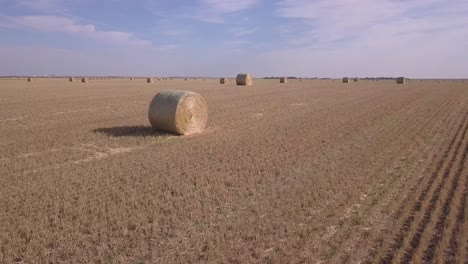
{"type": "Point", "coordinates": [215, 11]}
{"type": "Point", "coordinates": [174, 32]}
{"type": "Point", "coordinates": [228, 6]}
{"type": "Point", "coordinates": [237, 42]}
{"type": "Point", "coordinates": [240, 32]}
{"type": "Point", "coordinates": [43, 6]}
{"type": "Point", "coordinates": [329, 21]}
{"type": "Point", "coordinates": [48, 23]}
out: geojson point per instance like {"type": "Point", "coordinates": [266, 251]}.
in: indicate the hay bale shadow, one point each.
{"type": "Point", "coordinates": [132, 131]}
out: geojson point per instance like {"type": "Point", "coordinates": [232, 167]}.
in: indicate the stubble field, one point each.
{"type": "Point", "coordinates": [303, 172]}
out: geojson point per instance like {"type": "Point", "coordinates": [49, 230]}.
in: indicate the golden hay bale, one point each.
{"type": "Point", "coordinates": [244, 79]}
{"type": "Point", "coordinates": [149, 80]}
{"type": "Point", "coordinates": [283, 79]}
{"type": "Point", "coordinates": [401, 80]}
{"type": "Point", "coordinates": [223, 81]}
{"type": "Point", "coordinates": [345, 80]}
{"type": "Point", "coordinates": [83, 80]}
{"type": "Point", "coordinates": [180, 112]}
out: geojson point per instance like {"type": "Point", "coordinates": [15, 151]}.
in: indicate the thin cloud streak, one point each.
{"type": "Point", "coordinates": [61, 24]}
{"type": "Point", "coordinates": [326, 22]}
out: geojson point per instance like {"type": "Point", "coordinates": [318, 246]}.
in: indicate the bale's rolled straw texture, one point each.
{"type": "Point", "coordinates": [149, 80]}
{"type": "Point", "coordinates": [83, 80]}
{"type": "Point", "coordinates": [283, 79]}
{"type": "Point", "coordinates": [244, 79]}
{"type": "Point", "coordinates": [401, 80]}
{"type": "Point", "coordinates": [223, 81]}
{"type": "Point", "coordinates": [180, 112]}
{"type": "Point", "coordinates": [345, 80]}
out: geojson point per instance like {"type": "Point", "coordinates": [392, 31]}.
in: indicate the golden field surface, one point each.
{"type": "Point", "coordinates": [304, 172]}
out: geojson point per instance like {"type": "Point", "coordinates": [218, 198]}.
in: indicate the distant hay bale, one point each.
{"type": "Point", "coordinates": [83, 80]}
{"type": "Point", "coordinates": [244, 79]}
{"type": "Point", "coordinates": [345, 80]}
{"type": "Point", "coordinates": [356, 79]}
{"type": "Point", "coordinates": [223, 81]}
{"type": "Point", "coordinates": [29, 79]}
{"type": "Point", "coordinates": [149, 80]}
{"type": "Point", "coordinates": [185, 78]}
{"type": "Point", "coordinates": [283, 79]}
{"type": "Point", "coordinates": [131, 79]}
{"type": "Point", "coordinates": [71, 79]}
{"type": "Point", "coordinates": [180, 112]}
{"type": "Point", "coordinates": [401, 80]}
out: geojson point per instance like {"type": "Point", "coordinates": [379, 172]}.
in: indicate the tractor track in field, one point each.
{"type": "Point", "coordinates": [450, 254]}
{"type": "Point", "coordinates": [436, 182]}
{"type": "Point", "coordinates": [419, 122]}
{"type": "Point", "coordinates": [430, 250]}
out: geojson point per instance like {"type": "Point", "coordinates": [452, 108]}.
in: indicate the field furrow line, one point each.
{"type": "Point", "coordinates": [440, 225]}
{"type": "Point", "coordinates": [405, 226]}
{"type": "Point", "coordinates": [406, 129]}
{"type": "Point", "coordinates": [455, 250]}
{"type": "Point", "coordinates": [412, 190]}
{"type": "Point", "coordinates": [431, 206]}
{"type": "Point", "coordinates": [389, 193]}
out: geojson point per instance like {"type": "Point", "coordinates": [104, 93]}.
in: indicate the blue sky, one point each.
{"type": "Point", "coordinates": [308, 38]}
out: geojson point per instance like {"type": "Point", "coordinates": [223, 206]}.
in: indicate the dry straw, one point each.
{"type": "Point", "coordinates": [244, 79]}
{"type": "Point", "coordinates": [83, 80]}
{"type": "Point", "coordinates": [401, 80]}
{"type": "Point", "coordinates": [345, 80]}
{"type": "Point", "coordinates": [180, 112]}
{"type": "Point", "coordinates": [223, 81]}
{"type": "Point", "coordinates": [149, 80]}
{"type": "Point", "coordinates": [283, 79]}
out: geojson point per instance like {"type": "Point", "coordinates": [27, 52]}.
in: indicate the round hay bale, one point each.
{"type": "Point", "coordinates": [180, 112]}
{"type": "Point", "coordinates": [283, 79]}
{"type": "Point", "coordinates": [149, 80]}
{"type": "Point", "coordinates": [29, 79]}
{"type": "Point", "coordinates": [345, 79]}
{"type": "Point", "coordinates": [245, 79]}
{"type": "Point", "coordinates": [401, 80]}
{"type": "Point", "coordinates": [223, 81]}
{"type": "Point", "coordinates": [83, 80]}
{"type": "Point", "coordinates": [71, 79]}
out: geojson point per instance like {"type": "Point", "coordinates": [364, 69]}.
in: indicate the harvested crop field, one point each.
{"type": "Point", "coordinates": [304, 172]}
